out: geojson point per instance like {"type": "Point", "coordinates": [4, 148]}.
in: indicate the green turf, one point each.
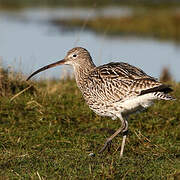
{"type": "Point", "coordinates": [48, 131]}
{"type": "Point", "coordinates": [157, 23]}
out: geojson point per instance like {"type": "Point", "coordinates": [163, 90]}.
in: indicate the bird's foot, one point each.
{"type": "Point", "coordinates": [106, 145]}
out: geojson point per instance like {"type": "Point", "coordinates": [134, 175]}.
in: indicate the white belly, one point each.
{"type": "Point", "coordinates": [134, 104]}
{"type": "Point", "coordinates": [126, 107]}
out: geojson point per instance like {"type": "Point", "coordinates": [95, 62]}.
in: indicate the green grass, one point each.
{"type": "Point", "coordinates": [15, 4]}
{"type": "Point", "coordinates": [160, 23]}
{"type": "Point", "coordinates": [9, 4]}
{"type": "Point", "coordinates": [48, 131]}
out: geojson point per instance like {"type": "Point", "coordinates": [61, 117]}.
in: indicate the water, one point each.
{"type": "Point", "coordinates": [28, 41]}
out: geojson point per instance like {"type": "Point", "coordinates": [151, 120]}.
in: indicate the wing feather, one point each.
{"type": "Point", "coordinates": [115, 82]}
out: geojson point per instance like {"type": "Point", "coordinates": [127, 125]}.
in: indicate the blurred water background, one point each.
{"type": "Point", "coordinates": [29, 39]}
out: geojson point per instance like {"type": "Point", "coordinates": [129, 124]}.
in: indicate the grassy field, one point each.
{"type": "Point", "coordinates": [158, 23]}
{"type": "Point", "coordinates": [47, 132]}
{"type": "Point", "coordinates": [9, 4]}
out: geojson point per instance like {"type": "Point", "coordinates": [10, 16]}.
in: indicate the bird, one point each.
{"type": "Point", "coordinates": [114, 90]}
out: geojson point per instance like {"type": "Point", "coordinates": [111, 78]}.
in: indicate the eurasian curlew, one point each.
{"type": "Point", "coordinates": [114, 89]}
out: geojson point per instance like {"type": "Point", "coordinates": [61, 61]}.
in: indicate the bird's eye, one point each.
{"type": "Point", "coordinates": [74, 55]}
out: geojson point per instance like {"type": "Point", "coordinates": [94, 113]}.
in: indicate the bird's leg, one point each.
{"type": "Point", "coordinates": [123, 142]}
{"type": "Point", "coordinates": [123, 128]}
{"type": "Point", "coordinates": [122, 145]}
{"type": "Point", "coordinates": [108, 142]}
{"type": "Point", "coordinates": [125, 132]}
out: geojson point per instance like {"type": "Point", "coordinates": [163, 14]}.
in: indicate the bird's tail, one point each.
{"type": "Point", "coordinates": [164, 96]}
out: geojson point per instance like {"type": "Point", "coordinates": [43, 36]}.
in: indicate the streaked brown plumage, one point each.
{"type": "Point", "coordinates": [114, 89]}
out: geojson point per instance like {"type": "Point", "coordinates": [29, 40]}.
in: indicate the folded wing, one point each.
{"type": "Point", "coordinates": [115, 82]}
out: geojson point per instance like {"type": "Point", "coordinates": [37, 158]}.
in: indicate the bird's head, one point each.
{"type": "Point", "coordinates": [76, 57]}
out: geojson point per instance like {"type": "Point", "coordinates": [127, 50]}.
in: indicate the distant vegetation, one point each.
{"type": "Point", "coordinates": [47, 132]}
{"type": "Point", "coordinates": [151, 18]}
{"type": "Point", "coordinates": [163, 24]}
{"type": "Point", "coordinates": [91, 3]}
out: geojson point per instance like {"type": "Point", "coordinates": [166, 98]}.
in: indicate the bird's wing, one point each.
{"type": "Point", "coordinates": [123, 70]}
{"type": "Point", "coordinates": [115, 82]}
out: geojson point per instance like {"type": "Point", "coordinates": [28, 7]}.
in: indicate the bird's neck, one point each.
{"type": "Point", "coordinates": [81, 73]}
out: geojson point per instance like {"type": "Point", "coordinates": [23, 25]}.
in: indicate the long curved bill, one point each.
{"type": "Point", "coordinates": [46, 67]}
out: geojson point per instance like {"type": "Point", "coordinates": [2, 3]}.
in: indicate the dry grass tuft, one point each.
{"type": "Point", "coordinates": [166, 75]}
